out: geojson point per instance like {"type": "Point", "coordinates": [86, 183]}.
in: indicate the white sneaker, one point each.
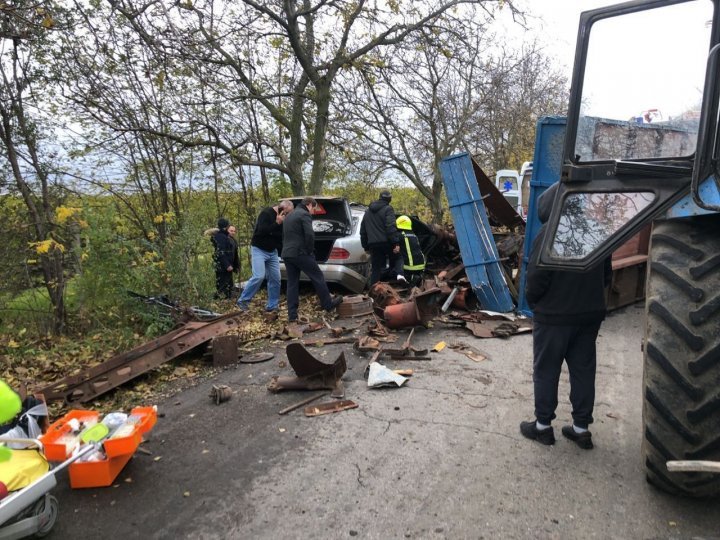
{"type": "Point", "coordinates": [400, 277]}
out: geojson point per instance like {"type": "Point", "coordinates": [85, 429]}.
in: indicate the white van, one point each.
{"type": "Point", "coordinates": [515, 187]}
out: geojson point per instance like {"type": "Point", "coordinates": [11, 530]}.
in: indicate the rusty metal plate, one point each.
{"type": "Point", "coordinates": [224, 350]}
{"type": "Point", "coordinates": [355, 306]}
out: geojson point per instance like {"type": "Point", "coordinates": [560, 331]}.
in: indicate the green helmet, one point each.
{"type": "Point", "coordinates": [404, 223]}
{"type": "Point", "coordinates": [10, 403]}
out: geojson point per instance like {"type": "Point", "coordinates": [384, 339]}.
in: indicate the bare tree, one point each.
{"type": "Point", "coordinates": [447, 92]}
{"type": "Point", "coordinates": [520, 87]}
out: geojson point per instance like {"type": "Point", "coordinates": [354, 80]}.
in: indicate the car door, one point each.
{"type": "Point", "coordinates": [641, 125]}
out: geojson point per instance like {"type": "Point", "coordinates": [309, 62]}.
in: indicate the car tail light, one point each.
{"type": "Point", "coordinates": [339, 253]}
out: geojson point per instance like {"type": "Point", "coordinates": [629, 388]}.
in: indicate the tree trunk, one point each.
{"type": "Point", "coordinates": [436, 206]}
{"type": "Point", "coordinates": [296, 139]}
{"type": "Point", "coordinates": [322, 102]}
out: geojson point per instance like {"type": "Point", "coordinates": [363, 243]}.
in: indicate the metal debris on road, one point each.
{"type": "Point", "coordinates": [256, 358]}
{"type": "Point", "coordinates": [355, 306]}
{"type": "Point", "coordinates": [220, 393]}
{"type": "Point", "coordinates": [330, 407]}
{"type": "Point", "coordinates": [312, 374]}
{"type": "Point", "coordinates": [302, 403]}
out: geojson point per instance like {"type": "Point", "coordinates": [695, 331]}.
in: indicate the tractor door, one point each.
{"type": "Point", "coordinates": [642, 124]}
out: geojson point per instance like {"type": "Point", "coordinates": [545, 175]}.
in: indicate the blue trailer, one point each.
{"type": "Point", "coordinates": [475, 238]}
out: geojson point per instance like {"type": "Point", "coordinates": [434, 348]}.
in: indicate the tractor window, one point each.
{"type": "Point", "coordinates": [588, 219]}
{"type": "Point", "coordinates": [643, 83]}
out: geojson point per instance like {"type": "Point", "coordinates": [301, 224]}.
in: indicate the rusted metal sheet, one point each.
{"type": "Point", "coordinates": [312, 374]}
{"type": "Point", "coordinates": [428, 304]}
{"type": "Point", "coordinates": [224, 350]}
{"type": "Point", "coordinates": [124, 367]}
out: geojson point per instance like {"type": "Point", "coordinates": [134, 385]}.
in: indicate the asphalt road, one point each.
{"type": "Point", "coordinates": [441, 457]}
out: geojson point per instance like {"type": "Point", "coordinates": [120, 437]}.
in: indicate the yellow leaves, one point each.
{"type": "Point", "coordinates": [46, 246]}
{"type": "Point", "coordinates": [48, 22]}
{"type": "Point", "coordinates": [166, 217]}
{"type": "Point", "coordinates": [394, 6]}
{"type": "Point", "coordinates": [13, 344]}
{"type": "Point", "coordinates": [63, 213]}
{"type": "Point", "coordinates": [276, 42]}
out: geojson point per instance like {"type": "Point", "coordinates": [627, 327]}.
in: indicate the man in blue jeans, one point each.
{"type": "Point", "coordinates": [265, 245]}
{"type": "Point", "coordinates": [298, 254]}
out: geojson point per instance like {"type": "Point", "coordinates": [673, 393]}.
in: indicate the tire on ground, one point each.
{"type": "Point", "coordinates": [681, 379]}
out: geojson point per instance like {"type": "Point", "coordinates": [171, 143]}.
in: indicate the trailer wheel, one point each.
{"type": "Point", "coordinates": [40, 507]}
{"type": "Point", "coordinates": [681, 379]}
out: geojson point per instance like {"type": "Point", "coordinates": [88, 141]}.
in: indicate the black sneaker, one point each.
{"type": "Point", "coordinates": [543, 436]}
{"type": "Point", "coordinates": [583, 440]}
{"type": "Point", "coordinates": [335, 303]}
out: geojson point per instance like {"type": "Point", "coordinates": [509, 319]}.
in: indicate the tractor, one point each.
{"type": "Point", "coordinates": [618, 175]}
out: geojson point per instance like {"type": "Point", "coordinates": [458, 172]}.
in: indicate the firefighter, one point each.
{"type": "Point", "coordinates": [413, 257]}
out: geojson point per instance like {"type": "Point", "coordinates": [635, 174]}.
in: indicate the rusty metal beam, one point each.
{"type": "Point", "coordinates": [124, 367]}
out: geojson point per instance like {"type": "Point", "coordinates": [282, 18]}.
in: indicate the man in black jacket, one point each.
{"type": "Point", "coordinates": [298, 255]}
{"type": "Point", "coordinates": [379, 236]}
{"type": "Point", "coordinates": [568, 308]}
{"type": "Point", "coordinates": [265, 245]}
{"type": "Point", "coordinates": [223, 257]}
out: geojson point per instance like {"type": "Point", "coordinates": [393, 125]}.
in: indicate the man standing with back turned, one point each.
{"type": "Point", "coordinates": [265, 245]}
{"type": "Point", "coordinates": [568, 308]}
{"type": "Point", "coordinates": [224, 259]}
{"type": "Point", "coordinates": [379, 236]}
{"type": "Point", "coordinates": [298, 254]}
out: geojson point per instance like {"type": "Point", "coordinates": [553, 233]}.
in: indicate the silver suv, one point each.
{"type": "Point", "coordinates": [338, 250]}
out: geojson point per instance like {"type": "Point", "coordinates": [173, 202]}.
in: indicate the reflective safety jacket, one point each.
{"type": "Point", "coordinates": [413, 257]}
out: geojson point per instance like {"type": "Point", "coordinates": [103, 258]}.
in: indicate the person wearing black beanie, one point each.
{"type": "Point", "coordinates": [224, 259]}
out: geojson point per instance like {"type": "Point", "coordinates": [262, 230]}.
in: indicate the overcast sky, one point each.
{"type": "Point", "coordinates": [556, 21]}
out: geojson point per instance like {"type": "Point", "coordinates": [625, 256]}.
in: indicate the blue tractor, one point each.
{"type": "Point", "coordinates": [619, 174]}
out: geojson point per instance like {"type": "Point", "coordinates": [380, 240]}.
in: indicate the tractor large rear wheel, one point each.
{"type": "Point", "coordinates": [681, 381]}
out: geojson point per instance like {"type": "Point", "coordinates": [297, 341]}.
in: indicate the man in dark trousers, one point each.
{"type": "Point", "coordinates": [265, 246]}
{"type": "Point", "coordinates": [413, 258]}
{"type": "Point", "coordinates": [568, 308]}
{"type": "Point", "coordinates": [224, 258]}
{"type": "Point", "coordinates": [379, 236]}
{"type": "Point", "coordinates": [298, 255]}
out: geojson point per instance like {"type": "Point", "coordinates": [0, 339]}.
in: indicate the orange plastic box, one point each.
{"type": "Point", "coordinates": [89, 474]}
{"type": "Point", "coordinates": [127, 445]}
{"type": "Point", "coordinates": [55, 448]}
